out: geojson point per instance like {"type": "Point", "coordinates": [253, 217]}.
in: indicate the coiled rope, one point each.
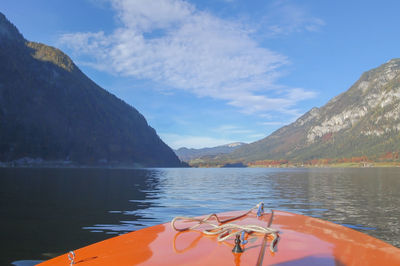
{"type": "Point", "coordinates": [225, 231]}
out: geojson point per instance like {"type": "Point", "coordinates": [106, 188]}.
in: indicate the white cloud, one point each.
{"type": "Point", "coordinates": [145, 15]}
{"type": "Point", "coordinates": [273, 123]}
{"type": "Point", "coordinates": [300, 94]}
{"type": "Point", "coordinates": [176, 141]}
{"type": "Point", "coordinates": [175, 44]}
{"type": "Point", "coordinates": [285, 17]}
{"type": "Point", "coordinates": [256, 137]}
{"type": "Point", "coordinates": [232, 129]}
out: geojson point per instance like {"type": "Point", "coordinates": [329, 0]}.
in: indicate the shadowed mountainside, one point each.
{"type": "Point", "coordinates": [50, 110]}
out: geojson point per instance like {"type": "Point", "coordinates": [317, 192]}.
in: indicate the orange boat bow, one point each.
{"type": "Point", "coordinates": [303, 241]}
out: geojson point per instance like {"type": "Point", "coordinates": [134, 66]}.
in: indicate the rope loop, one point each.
{"type": "Point", "coordinates": [225, 230]}
{"type": "Point", "coordinates": [71, 257]}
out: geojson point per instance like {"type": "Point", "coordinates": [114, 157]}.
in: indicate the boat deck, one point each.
{"type": "Point", "coordinates": [303, 241]}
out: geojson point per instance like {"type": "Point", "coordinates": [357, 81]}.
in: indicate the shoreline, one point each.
{"type": "Point", "coordinates": [333, 165]}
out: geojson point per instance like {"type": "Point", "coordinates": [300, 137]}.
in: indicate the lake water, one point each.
{"type": "Point", "coordinates": [47, 212]}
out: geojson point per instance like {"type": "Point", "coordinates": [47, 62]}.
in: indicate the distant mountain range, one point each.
{"type": "Point", "coordinates": [51, 111]}
{"type": "Point", "coordinates": [191, 154]}
{"type": "Point", "coordinates": [362, 122]}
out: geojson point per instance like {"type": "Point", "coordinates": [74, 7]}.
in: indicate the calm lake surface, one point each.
{"type": "Point", "coordinates": [47, 212]}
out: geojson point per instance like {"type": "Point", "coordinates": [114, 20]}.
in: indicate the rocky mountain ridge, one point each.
{"type": "Point", "coordinates": [375, 94]}
{"type": "Point", "coordinates": [363, 121]}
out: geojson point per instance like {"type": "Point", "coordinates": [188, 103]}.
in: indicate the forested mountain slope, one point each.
{"type": "Point", "coordinates": [50, 110]}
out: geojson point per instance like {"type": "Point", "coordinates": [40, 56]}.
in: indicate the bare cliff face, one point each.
{"type": "Point", "coordinates": [363, 121]}
{"type": "Point", "coordinates": [377, 90]}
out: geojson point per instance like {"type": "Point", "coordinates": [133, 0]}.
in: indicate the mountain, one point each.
{"type": "Point", "coordinates": [363, 122]}
{"type": "Point", "coordinates": [188, 155]}
{"type": "Point", "coordinates": [51, 111]}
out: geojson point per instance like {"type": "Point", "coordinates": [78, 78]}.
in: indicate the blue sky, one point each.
{"type": "Point", "coordinates": [207, 73]}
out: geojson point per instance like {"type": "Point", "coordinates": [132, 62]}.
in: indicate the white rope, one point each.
{"type": "Point", "coordinates": [225, 231]}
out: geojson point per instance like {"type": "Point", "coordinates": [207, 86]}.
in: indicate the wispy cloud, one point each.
{"type": "Point", "coordinates": [173, 43]}
{"type": "Point", "coordinates": [232, 129]}
{"type": "Point", "coordinates": [255, 137]}
{"type": "Point", "coordinates": [178, 141]}
{"type": "Point", "coordinates": [273, 123]}
{"type": "Point", "coordinates": [285, 17]}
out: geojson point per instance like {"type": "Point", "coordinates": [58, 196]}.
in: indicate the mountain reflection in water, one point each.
{"type": "Point", "coordinates": [46, 212]}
